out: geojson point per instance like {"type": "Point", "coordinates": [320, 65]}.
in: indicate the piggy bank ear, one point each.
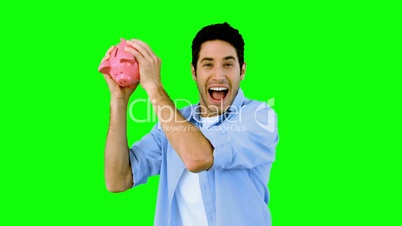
{"type": "Point", "coordinates": [104, 67]}
{"type": "Point", "coordinates": [127, 58]}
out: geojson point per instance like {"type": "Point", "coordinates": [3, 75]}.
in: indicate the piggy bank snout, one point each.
{"type": "Point", "coordinates": [123, 80]}
{"type": "Point", "coordinates": [127, 76]}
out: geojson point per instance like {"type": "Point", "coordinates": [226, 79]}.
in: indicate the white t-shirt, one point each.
{"type": "Point", "coordinates": [188, 192]}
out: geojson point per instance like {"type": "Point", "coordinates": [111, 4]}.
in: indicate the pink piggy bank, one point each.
{"type": "Point", "coordinates": [122, 66]}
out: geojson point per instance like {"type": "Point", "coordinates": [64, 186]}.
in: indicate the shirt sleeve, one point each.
{"type": "Point", "coordinates": [247, 140]}
{"type": "Point", "coordinates": [145, 156]}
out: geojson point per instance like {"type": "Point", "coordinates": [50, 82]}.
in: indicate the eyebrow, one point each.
{"type": "Point", "coordinates": [229, 58]}
{"type": "Point", "coordinates": [207, 59]}
{"type": "Point", "coordinates": [211, 59]}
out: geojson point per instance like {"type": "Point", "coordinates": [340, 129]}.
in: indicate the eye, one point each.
{"type": "Point", "coordinates": [207, 65]}
{"type": "Point", "coordinates": [228, 64]}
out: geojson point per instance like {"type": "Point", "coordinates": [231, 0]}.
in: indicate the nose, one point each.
{"type": "Point", "coordinates": [123, 80]}
{"type": "Point", "coordinates": [219, 74]}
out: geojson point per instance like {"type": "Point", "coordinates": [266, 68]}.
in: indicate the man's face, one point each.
{"type": "Point", "coordinates": [218, 76]}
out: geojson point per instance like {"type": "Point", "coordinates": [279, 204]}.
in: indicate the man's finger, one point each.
{"type": "Point", "coordinates": [109, 51]}
{"type": "Point", "coordinates": [106, 76]}
{"type": "Point", "coordinates": [138, 56]}
{"type": "Point", "coordinates": [134, 86]}
{"type": "Point", "coordinates": [110, 82]}
{"type": "Point", "coordinates": [146, 47]}
{"type": "Point", "coordinates": [106, 57]}
{"type": "Point", "coordinates": [141, 49]}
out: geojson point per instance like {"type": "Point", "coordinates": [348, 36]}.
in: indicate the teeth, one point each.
{"type": "Point", "coordinates": [218, 88]}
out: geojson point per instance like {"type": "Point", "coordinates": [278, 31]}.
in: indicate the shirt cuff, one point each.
{"type": "Point", "coordinates": [138, 166]}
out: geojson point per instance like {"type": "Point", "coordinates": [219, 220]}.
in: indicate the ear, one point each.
{"type": "Point", "coordinates": [243, 71]}
{"type": "Point", "coordinates": [193, 72]}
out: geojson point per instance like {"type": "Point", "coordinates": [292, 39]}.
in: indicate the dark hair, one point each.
{"type": "Point", "coordinates": [223, 32]}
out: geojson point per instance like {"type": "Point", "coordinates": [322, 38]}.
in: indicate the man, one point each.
{"type": "Point", "coordinates": [214, 158]}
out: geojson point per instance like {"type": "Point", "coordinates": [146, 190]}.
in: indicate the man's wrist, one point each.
{"type": "Point", "coordinates": [118, 102]}
{"type": "Point", "coordinates": [155, 91]}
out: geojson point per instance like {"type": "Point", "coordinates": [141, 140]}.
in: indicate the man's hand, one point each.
{"type": "Point", "coordinates": [191, 145]}
{"type": "Point", "coordinates": [117, 92]}
{"type": "Point", "coordinates": [149, 64]}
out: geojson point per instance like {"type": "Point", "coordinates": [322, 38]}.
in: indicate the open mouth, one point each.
{"type": "Point", "coordinates": [218, 93]}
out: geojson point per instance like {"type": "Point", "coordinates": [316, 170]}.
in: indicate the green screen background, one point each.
{"type": "Point", "coordinates": [333, 69]}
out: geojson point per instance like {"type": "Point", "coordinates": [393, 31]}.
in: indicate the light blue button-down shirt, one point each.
{"type": "Point", "coordinates": [234, 190]}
